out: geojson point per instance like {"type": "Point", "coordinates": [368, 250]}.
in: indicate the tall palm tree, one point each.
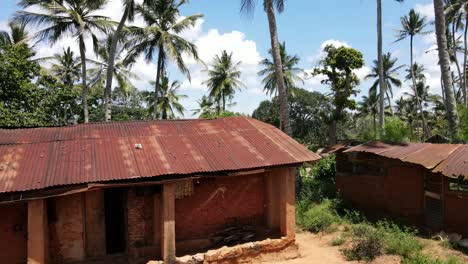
{"type": "Point", "coordinates": [381, 66]}
{"type": "Point", "coordinates": [413, 24]}
{"type": "Point", "coordinates": [66, 67]}
{"type": "Point", "coordinates": [389, 77]}
{"type": "Point", "coordinates": [162, 34]}
{"type": "Point", "coordinates": [270, 5]}
{"type": "Point", "coordinates": [444, 62]}
{"type": "Point", "coordinates": [224, 79]}
{"type": "Point", "coordinates": [290, 71]}
{"type": "Point", "coordinates": [168, 103]}
{"type": "Point", "coordinates": [120, 71]}
{"type": "Point", "coordinates": [61, 17]}
{"type": "Point", "coordinates": [457, 13]}
{"type": "Point", "coordinates": [128, 14]}
{"type": "Point", "coordinates": [405, 110]}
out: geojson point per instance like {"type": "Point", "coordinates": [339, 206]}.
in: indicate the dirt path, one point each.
{"type": "Point", "coordinates": [314, 249]}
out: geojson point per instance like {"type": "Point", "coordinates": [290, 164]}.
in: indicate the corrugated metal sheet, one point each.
{"type": "Point", "coordinates": [456, 165]}
{"type": "Point", "coordinates": [451, 158]}
{"type": "Point", "coordinates": [45, 157]}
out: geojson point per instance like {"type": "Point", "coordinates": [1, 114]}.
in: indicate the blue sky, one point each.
{"type": "Point", "coordinates": [305, 26]}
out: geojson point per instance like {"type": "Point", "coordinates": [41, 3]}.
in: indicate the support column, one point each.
{"type": "Point", "coordinates": [37, 232]}
{"type": "Point", "coordinates": [95, 235]}
{"type": "Point", "coordinates": [287, 202]}
{"type": "Point", "coordinates": [168, 251]}
{"type": "Point", "coordinates": [272, 200]}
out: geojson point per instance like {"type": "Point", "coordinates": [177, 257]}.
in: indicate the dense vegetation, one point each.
{"type": "Point", "coordinates": [319, 210]}
{"type": "Point", "coordinates": [70, 87]}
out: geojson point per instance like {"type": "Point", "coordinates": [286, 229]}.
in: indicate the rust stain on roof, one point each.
{"type": "Point", "coordinates": [449, 159]}
{"type": "Point", "coordinates": [39, 158]}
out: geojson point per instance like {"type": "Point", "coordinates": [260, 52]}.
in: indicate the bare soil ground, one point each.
{"type": "Point", "coordinates": [317, 249]}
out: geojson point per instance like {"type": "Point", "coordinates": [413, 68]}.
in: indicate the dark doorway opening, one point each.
{"type": "Point", "coordinates": [114, 202]}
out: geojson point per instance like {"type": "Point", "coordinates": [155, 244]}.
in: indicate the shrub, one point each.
{"type": "Point", "coordinates": [420, 258]}
{"type": "Point", "coordinates": [396, 130]}
{"type": "Point", "coordinates": [319, 183]}
{"type": "Point", "coordinates": [338, 241]}
{"type": "Point", "coordinates": [399, 240]}
{"type": "Point", "coordinates": [367, 243]}
{"type": "Point", "coordinates": [463, 111]}
{"type": "Point", "coordinates": [318, 218]}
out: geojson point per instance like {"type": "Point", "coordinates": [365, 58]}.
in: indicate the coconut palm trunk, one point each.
{"type": "Point", "coordinates": [83, 79]}
{"type": "Point", "coordinates": [418, 99]}
{"type": "Point", "coordinates": [444, 62]}
{"type": "Point", "coordinates": [461, 77]}
{"type": "Point", "coordinates": [110, 67]}
{"type": "Point", "coordinates": [465, 59]}
{"type": "Point", "coordinates": [159, 71]}
{"type": "Point", "coordinates": [283, 100]}
{"type": "Point", "coordinates": [381, 70]}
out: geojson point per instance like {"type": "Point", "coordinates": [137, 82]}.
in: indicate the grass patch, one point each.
{"type": "Point", "coordinates": [398, 240]}
{"type": "Point", "coordinates": [338, 241]}
{"type": "Point", "coordinates": [318, 217]}
{"type": "Point", "coordinates": [367, 243]}
{"type": "Point", "coordinates": [420, 258]}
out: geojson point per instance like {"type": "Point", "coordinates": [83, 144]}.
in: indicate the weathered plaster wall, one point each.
{"type": "Point", "coordinates": [13, 233]}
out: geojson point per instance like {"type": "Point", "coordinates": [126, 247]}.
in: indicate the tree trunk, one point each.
{"type": "Point", "coordinates": [224, 103]}
{"type": "Point", "coordinates": [415, 89]}
{"type": "Point", "coordinates": [83, 79]}
{"type": "Point", "coordinates": [381, 70]}
{"type": "Point", "coordinates": [375, 124]}
{"type": "Point", "coordinates": [110, 68]}
{"type": "Point", "coordinates": [283, 99]}
{"type": "Point", "coordinates": [158, 79]}
{"type": "Point", "coordinates": [465, 57]}
{"type": "Point", "coordinates": [461, 79]}
{"type": "Point", "coordinates": [389, 100]}
{"type": "Point", "coordinates": [444, 62]}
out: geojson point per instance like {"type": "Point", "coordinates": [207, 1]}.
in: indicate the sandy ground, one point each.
{"type": "Point", "coordinates": [316, 249]}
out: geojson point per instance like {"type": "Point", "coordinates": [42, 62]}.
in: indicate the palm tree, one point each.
{"type": "Point", "coordinates": [168, 103]}
{"type": "Point", "coordinates": [17, 35]}
{"type": "Point", "coordinates": [206, 107]}
{"type": "Point", "coordinates": [290, 71]}
{"type": "Point", "coordinates": [128, 14]}
{"type": "Point", "coordinates": [457, 12]}
{"type": "Point", "coordinates": [224, 79]}
{"type": "Point", "coordinates": [120, 71]}
{"type": "Point", "coordinates": [369, 106]}
{"type": "Point", "coordinates": [380, 67]}
{"type": "Point", "coordinates": [405, 110]}
{"type": "Point", "coordinates": [270, 5]}
{"type": "Point", "coordinates": [444, 62]}
{"type": "Point", "coordinates": [162, 34]}
{"type": "Point", "coordinates": [413, 24]}
{"type": "Point", "coordinates": [390, 77]}
{"type": "Point", "coordinates": [66, 67]}
{"type": "Point", "coordinates": [61, 17]}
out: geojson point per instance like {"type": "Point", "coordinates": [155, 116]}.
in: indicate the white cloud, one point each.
{"type": "Point", "coordinates": [425, 10]}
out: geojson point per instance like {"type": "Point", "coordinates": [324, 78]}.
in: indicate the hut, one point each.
{"type": "Point", "coordinates": [422, 184]}
{"type": "Point", "coordinates": [120, 192]}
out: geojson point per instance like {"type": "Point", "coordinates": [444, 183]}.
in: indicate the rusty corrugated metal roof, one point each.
{"type": "Point", "coordinates": [45, 157]}
{"type": "Point", "coordinates": [449, 159]}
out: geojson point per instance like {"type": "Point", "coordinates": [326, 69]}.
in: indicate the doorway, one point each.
{"type": "Point", "coordinates": [114, 203]}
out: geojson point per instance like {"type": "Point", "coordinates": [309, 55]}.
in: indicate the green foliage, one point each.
{"type": "Point", "coordinates": [367, 243]}
{"type": "Point", "coordinates": [463, 112]}
{"type": "Point", "coordinates": [395, 130]}
{"type": "Point", "coordinates": [400, 241]}
{"type": "Point", "coordinates": [308, 112]}
{"type": "Point", "coordinates": [319, 182]}
{"type": "Point", "coordinates": [214, 115]}
{"type": "Point", "coordinates": [338, 241]}
{"type": "Point", "coordinates": [420, 258]}
{"type": "Point", "coordinates": [319, 217]}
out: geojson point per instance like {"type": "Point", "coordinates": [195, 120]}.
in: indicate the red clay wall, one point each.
{"type": "Point", "coordinates": [13, 233]}
{"type": "Point", "coordinates": [455, 211]}
{"type": "Point", "coordinates": [139, 217]}
{"type": "Point", "coordinates": [397, 194]}
{"type": "Point", "coordinates": [218, 201]}
{"type": "Point", "coordinates": [66, 228]}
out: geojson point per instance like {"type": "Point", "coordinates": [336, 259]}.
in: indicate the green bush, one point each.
{"type": "Point", "coordinates": [463, 111]}
{"type": "Point", "coordinates": [319, 182]}
{"type": "Point", "coordinates": [420, 258]}
{"type": "Point", "coordinates": [367, 243]}
{"type": "Point", "coordinates": [396, 130]}
{"type": "Point", "coordinates": [318, 218]}
{"type": "Point", "coordinates": [400, 241]}
{"type": "Point", "coordinates": [338, 241]}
